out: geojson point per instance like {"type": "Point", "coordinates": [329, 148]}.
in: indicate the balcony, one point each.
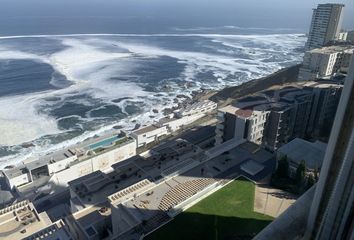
{"type": "Point", "coordinates": [219, 134]}
{"type": "Point", "coordinates": [220, 117]}
{"type": "Point", "coordinates": [220, 126]}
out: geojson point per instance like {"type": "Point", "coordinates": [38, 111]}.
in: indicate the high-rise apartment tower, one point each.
{"type": "Point", "coordinates": [325, 25]}
{"type": "Point", "coordinates": [332, 211]}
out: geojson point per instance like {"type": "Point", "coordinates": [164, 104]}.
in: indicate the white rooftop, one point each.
{"type": "Point", "coordinates": [55, 231]}
{"type": "Point", "coordinates": [21, 220]}
{"type": "Point", "coordinates": [331, 49]}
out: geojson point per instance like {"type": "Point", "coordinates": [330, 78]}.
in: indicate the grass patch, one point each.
{"type": "Point", "coordinates": [226, 214]}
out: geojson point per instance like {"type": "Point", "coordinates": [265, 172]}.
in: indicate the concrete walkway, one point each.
{"type": "Point", "coordinates": [271, 201]}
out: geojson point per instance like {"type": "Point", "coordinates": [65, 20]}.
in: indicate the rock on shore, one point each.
{"type": "Point", "coordinates": [283, 76]}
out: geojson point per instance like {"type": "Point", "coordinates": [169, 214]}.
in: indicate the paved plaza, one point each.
{"type": "Point", "coordinates": [271, 201]}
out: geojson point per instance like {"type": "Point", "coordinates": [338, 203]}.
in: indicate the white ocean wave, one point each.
{"type": "Point", "coordinates": [90, 60]}
{"type": "Point", "coordinates": [20, 121]}
{"type": "Point", "coordinates": [19, 118]}
{"type": "Point", "coordinates": [150, 35]}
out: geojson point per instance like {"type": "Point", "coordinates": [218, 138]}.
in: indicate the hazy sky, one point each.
{"type": "Point", "coordinates": [20, 15]}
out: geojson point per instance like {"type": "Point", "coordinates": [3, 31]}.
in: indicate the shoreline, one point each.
{"type": "Point", "coordinates": [228, 94]}
{"type": "Point", "coordinates": [221, 97]}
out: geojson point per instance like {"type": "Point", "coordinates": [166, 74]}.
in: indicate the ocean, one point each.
{"type": "Point", "coordinates": [57, 90]}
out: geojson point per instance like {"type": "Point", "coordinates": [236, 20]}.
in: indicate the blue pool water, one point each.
{"type": "Point", "coordinates": [104, 143]}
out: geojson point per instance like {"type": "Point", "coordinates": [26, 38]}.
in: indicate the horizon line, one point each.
{"type": "Point", "coordinates": [142, 35]}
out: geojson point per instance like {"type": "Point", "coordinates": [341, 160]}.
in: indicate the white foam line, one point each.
{"type": "Point", "coordinates": [233, 27]}
{"type": "Point", "coordinates": [145, 35]}
{"type": "Point", "coordinates": [21, 122]}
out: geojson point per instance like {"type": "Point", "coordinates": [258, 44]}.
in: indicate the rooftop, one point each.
{"type": "Point", "coordinates": [95, 187]}
{"type": "Point", "coordinates": [6, 196]}
{"type": "Point", "coordinates": [252, 167]}
{"type": "Point", "coordinates": [332, 49]}
{"type": "Point", "coordinates": [99, 185]}
{"type": "Point", "coordinates": [15, 172]}
{"type": "Point", "coordinates": [146, 129]}
{"type": "Point", "coordinates": [153, 205]}
{"type": "Point", "coordinates": [55, 231]}
{"type": "Point", "coordinates": [197, 106]}
{"type": "Point", "coordinates": [90, 215]}
{"type": "Point", "coordinates": [278, 99]}
{"type": "Point", "coordinates": [244, 113]}
{"type": "Point", "coordinates": [128, 192]}
{"type": "Point", "coordinates": [21, 220]}
{"type": "Point", "coordinates": [57, 156]}
{"type": "Point", "coordinates": [97, 145]}
{"type": "Point", "coordinates": [109, 144]}
{"type": "Point", "coordinates": [311, 152]}
{"type": "Point", "coordinates": [167, 120]}
{"type": "Point", "coordinates": [321, 84]}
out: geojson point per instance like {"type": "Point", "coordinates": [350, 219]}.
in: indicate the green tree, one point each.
{"type": "Point", "coordinates": [310, 181]}
{"type": "Point", "coordinates": [300, 173]}
{"type": "Point", "coordinates": [283, 167]}
{"type": "Point", "coordinates": [316, 174]}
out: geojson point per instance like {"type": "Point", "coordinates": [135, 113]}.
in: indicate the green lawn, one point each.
{"type": "Point", "coordinates": [226, 214]}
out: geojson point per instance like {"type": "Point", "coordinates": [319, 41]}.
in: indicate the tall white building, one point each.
{"type": "Point", "coordinates": [342, 36]}
{"type": "Point", "coordinates": [325, 25]}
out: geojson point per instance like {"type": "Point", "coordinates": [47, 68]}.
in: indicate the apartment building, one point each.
{"type": "Point", "coordinates": [342, 36]}
{"type": "Point", "coordinates": [278, 127]}
{"type": "Point", "coordinates": [149, 134]}
{"type": "Point", "coordinates": [326, 210]}
{"type": "Point", "coordinates": [331, 212]}
{"type": "Point", "coordinates": [325, 62]}
{"type": "Point", "coordinates": [174, 123]}
{"type": "Point", "coordinates": [59, 168]}
{"type": "Point", "coordinates": [325, 25]}
{"type": "Point", "coordinates": [237, 123]}
{"type": "Point", "coordinates": [324, 107]}
{"type": "Point", "coordinates": [274, 117]}
{"type": "Point", "coordinates": [199, 107]}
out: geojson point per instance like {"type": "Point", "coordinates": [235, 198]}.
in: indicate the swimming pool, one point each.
{"type": "Point", "coordinates": [104, 143]}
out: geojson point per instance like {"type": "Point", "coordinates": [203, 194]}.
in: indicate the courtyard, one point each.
{"type": "Point", "coordinates": [226, 214]}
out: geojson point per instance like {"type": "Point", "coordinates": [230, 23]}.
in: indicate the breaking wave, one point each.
{"type": "Point", "coordinates": [105, 80]}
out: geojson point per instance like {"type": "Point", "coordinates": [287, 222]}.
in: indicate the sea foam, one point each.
{"type": "Point", "coordinates": [89, 62]}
